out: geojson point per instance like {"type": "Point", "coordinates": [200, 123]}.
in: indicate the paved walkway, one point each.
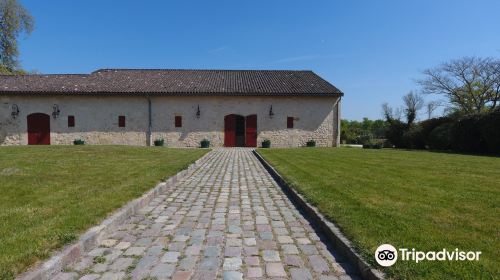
{"type": "Point", "coordinates": [229, 220]}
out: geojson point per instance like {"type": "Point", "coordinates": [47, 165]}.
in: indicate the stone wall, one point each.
{"type": "Point", "coordinates": [97, 119]}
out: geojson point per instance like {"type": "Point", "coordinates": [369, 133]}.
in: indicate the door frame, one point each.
{"type": "Point", "coordinates": [230, 130]}
{"type": "Point", "coordinates": [38, 129]}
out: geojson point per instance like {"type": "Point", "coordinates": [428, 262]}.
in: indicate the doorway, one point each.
{"type": "Point", "coordinates": [38, 129]}
{"type": "Point", "coordinates": [240, 131]}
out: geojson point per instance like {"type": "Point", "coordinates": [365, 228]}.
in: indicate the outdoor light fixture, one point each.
{"type": "Point", "coordinates": [15, 111]}
{"type": "Point", "coordinates": [55, 111]}
{"type": "Point", "coordinates": [198, 113]}
{"type": "Point", "coordinates": [271, 114]}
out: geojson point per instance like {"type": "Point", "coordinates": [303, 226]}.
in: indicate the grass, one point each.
{"type": "Point", "coordinates": [410, 199]}
{"type": "Point", "coordinates": [51, 194]}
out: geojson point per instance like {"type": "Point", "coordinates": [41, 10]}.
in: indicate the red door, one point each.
{"type": "Point", "coordinates": [38, 129]}
{"type": "Point", "coordinates": [230, 131]}
{"type": "Point", "coordinates": [251, 131]}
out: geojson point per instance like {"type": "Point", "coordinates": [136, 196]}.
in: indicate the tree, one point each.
{"type": "Point", "coordinates": [14, 20]}
{"type": "Point", "coordinates": [431, 107]}
{"type": "Point", "coordinates": [396, 129]}
{"type": "Point", "coordinates": [471, 84]}
{"type": "Point", "coordinates": [355, 132]}
{"type": "Point", "coordinates": [413, 103]}
{"type": "Point", "coordinates": [390, 114]}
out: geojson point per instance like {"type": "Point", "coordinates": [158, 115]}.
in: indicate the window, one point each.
{"type": "Point", "coordinates": [178, 121]}
{"type": "Point", "coordinates": [71, 121]}
{"type": "Point", "coordinates": [289, 122]}
{"type": "Point", "coordinates": [121, 121]}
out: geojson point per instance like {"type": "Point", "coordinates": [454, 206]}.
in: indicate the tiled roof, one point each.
{"type": "Point", "coordinates": [172, 82]}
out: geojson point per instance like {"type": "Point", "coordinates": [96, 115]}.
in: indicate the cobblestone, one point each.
{"type": "Point", "coordinates": [228, 220]}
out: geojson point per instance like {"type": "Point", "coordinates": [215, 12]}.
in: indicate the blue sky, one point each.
{"type": "Point", "coordinates": [371, 50]}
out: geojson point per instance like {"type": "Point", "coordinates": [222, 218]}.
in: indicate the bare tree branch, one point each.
{"type": "Point", "coordinates": [470, 84]}
{"type": "Point", "coordinates": [413, 103]}
{"type": "Point", "coordinates": [431, 107]}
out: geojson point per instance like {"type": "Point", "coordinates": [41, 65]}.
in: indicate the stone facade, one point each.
{"type": "Point", "coordinates": [96, 119]}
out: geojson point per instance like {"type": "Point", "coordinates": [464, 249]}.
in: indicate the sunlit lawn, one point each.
{"type": "Point", "coordinates": [51, 194]}
{"type": "Point", "coordinates": [410, 199]}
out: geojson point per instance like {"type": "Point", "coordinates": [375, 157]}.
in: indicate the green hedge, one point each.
{"type": "Point", "coordinates": [429, 125]}
{"type": "Point", "coordinates": [413, 138]}
{"type": "Point", "coordinates": [440, 137]}
{"type": "Point", "coordinates": [471, 134]}
{"type": "Point", "coordinates": [395, 132]}
{"type": "Point", "coordinates": [489, 127]}
{"type": "Point", "coordinates": [466, 136]}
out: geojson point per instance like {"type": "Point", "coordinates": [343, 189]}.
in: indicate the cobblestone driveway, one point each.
{"type": "Point", "coordinates": [229, 220]}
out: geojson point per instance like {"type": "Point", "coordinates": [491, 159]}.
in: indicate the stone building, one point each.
{"type": "Point", "coordinates": [183, 107]}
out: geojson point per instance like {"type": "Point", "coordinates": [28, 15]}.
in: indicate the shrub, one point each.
{"type": "Point", "coordinates": [374, 144]}
{"type": "Point", "coordinates": [466, 136]}
{"type": "Point", "coordinates": [394, 133]}
{"type": "Point", "coordinates": [478, 133]}
{"type": "Point", "coordinates": [386, 143]}
{"type": "Point", "coordinates": [429, 125]}
{"type": "Point", "coordinates": [489, 127]}
{"type": "Point", "coordinates": [266, 143]}
{"type": "Point", "coordinates": [413, 138]}
{"type": "Point", "coordinates": [159, 142]}
{"type": "Point", "coordinates": [78, 142]}
{"type": "Point", "coordinates": [204, 143]}
{"type": "Point", "coordinates": [440, 137]}
{"type": "Point", "coordinates": [311, 143]}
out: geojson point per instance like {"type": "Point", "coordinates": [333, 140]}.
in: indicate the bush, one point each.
{"type": "Point", "coordinates": [466, 136]}
{"type": "Point", "coordinates": [311, 143]}
{"type": "Point", "coordinates": [266, 143]}
{"type": "Point", "coordinates": [489, 128]}
{"type": "Point", "coordinates": [394, 133]}
{"type": "Point", "coordinates": [478, 133]}
{"type": "Point", "coordinates": [429, 125]}
{"type": "Point", "coordinates": [373, 146]}
{"type": "Point", "coordinates": [78, 142]}
{"type": "Point", "coordinates": [204, 143]}
{"type": "Point", "coordinates": [386, 143]}
{"type": "Point", "coordinates": [159, 142]}
{"type": "Point", "coordinates": [413, 138]}
{"type": "Point", "coordinates": [440, 137]}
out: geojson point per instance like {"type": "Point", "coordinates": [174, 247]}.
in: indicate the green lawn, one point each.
{"type": "Point", "coordinates": [51, 194]}
{"type": "Point", "coordinates": [410, 199]}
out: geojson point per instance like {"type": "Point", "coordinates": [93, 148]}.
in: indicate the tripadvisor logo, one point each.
{"type": "Point", "coordinates": [387, 255]}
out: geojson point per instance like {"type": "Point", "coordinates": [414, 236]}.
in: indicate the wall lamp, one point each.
{"type": "Point", "coordinates": [198, 113]}
{"type": "Point", "coordinates": [15, 111]}
{"type": "Point", "coordinates": [55, 111]}
{"type": "Point", "coordinates": [271, 113]}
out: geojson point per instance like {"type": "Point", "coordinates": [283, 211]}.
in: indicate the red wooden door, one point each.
{"type": "Point", "coordinates": [38, 129]}
{"type": "Point", "coordinates": [251, 131]}
{"type": "Point", "coordinates": [230, 131]}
